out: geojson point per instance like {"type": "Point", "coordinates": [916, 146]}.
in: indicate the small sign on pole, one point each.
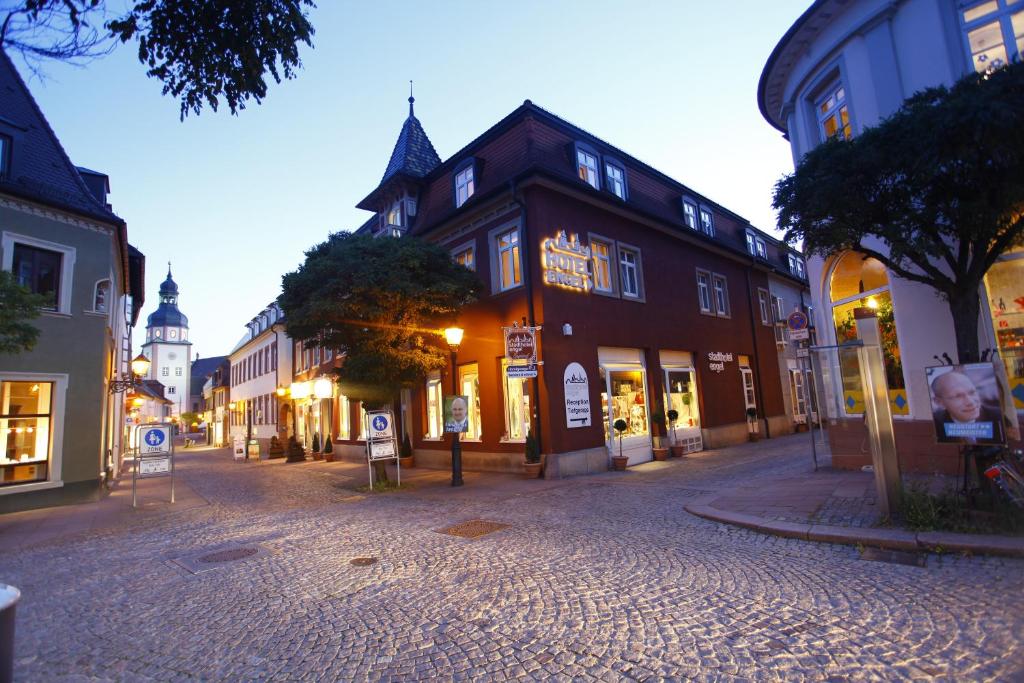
{"type": "Point", "coordinates": [798, 323]}
{"type": "Point", "coordinates": [381, 441]}
{"type": "Point", "coordinates": [154, 455]}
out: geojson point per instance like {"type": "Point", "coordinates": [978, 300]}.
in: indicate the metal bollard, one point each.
{"type": "Point", "coordinates": [9, 596]}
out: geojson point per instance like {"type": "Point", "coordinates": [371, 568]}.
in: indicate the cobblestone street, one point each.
{"type": "Point", "coordinates": [603, 577]}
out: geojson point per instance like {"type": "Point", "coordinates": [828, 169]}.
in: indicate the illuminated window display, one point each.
{"type": "Point", "coordinates": [625, 398]}
{"type": "Point", "coordinates": [1004, 283]}
{"type": "Point", "coordinates": [25, 412]}
{"type": "Point", "coordinates": [517, 406]}
{"type": "Point", "coordinates": [469, 383]}
{"type": "Point", "coordinates": [434, 402]}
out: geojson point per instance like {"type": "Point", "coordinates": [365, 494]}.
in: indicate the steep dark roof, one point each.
{"type": "Point", "coordinates": [203, 367]}
{"type": "Point", "coordinates": [152, 389]}
{"type": "Point", "coordinates": [167, 315]}
{"type": "Point", "coordinates": [413, 155]}
{"type": "Point", "coordinates": [136, 281]}
{"type": "Point", "coordinates": [168, 286]}
{"type": "Point", "coordinates": [40, 168]}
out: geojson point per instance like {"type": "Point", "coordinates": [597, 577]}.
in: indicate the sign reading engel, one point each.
{"type": "Point", "coordinates": [566, 262]}
{"type": "Point", "coordinates": [718, 359]}
{"type": "Point", "coordinates": [521, 344]}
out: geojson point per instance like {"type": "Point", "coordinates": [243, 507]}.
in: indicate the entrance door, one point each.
{"type": "Point", "coordinates": [625, 397]}
{"type": "Point", "coordinates": [681, 396]}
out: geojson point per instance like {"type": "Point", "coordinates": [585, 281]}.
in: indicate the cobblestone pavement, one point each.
{"type": "Point", "coordinates": [596, 578]}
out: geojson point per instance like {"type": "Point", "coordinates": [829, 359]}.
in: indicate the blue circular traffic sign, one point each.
{"type": "Point", "coordinates": [380, 423]}
{"type": "Point", "coordinates": [155, 437]}
{"type": "Point", "coordinates": [797, 320]}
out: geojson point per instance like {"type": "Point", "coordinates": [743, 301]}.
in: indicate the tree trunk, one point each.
{"type": "Point", "coordinates": [966, 307]}
{"type": "Point", "coordinates": [380, 471]}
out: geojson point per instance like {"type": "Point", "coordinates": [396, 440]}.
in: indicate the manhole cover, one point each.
{"type": "Point", "coordinates": [894, 557]}
{"type": "Point", "coordinates": [229, 555]}
{"type": "Point", "coordinates": [363, 561]}
{"type": "Point", "coordinates": [473, 528]}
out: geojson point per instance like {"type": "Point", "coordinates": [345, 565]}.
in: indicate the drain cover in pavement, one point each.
{"type": "Point", "coordinates": [894, 557]}
{"type": "Point", "coordinates": [473, 528]}
{"type": "Point", "coordinates": [232, 555]}
{"type": "Point", "coordinates": [363, 561]}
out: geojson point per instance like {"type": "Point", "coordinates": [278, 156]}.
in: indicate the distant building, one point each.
{"type": "Point", "coordinates": [200, 370]}
{"type": "Point", "coordinates": [260, 365]}
{"type": "Point", "coordinates": [167, 347]}
{"type": "Point", "coordinates": [844, 66]}
{"type": "Point", "coordinates": [62, 430]}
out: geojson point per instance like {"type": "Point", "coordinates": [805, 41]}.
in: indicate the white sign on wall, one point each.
{"type": "Point", "coordinates": [718, 359]}
{"type": "Point", "coordinates": [577, 396]}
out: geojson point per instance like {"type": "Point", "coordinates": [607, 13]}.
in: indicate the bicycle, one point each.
{"type": "Point", "coordinates": [1007, 478]}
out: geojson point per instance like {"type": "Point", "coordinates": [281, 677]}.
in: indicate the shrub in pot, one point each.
{"type": "Point", "coordinates": [276, 450]}
{"type": "Point", "coordinates": [405, 453]}
{"type": "Point", "coordinates": [675, 448]}
{"type": "Point", "coordinates": [295, 451]}
{"type": "Point", "coordinates": [329, 448]}
{"type": "Point", "coordinates": [315, 448]}
{"type": "Point", "coordinates": [532, 456]}
{"type": "Point", "coordinates": [658, 419]}
{"type": "Point", "coordinates": [752, 424]}
{"type": "Point", "coordinates": [620, 461]}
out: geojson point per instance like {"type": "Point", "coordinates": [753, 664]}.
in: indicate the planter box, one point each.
{"type": "Point", "coordinates": [406, 463]}
{"type": "Point", "coordinates": [532, 470]}
{"type": "Point", "coordinates": [661, 454]}
{"type": "Point", "coordinates": [619, 463]}
{"type": "Point", "coordinates": [678, 451]}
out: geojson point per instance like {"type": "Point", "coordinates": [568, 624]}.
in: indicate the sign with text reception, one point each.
{"type": "Point", "coordinates": [577, 396]}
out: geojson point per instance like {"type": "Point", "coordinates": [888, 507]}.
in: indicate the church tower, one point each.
{"type": "Point", "coordinates": [168, 348]}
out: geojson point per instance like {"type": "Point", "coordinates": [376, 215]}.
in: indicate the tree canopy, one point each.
{"type": "Point", "coordinates": [202, 51]}
{"type": "Point", "coordinates": [935, 192]}
{"type": "Point", "coordinates": [382, 302]}
{"type": "Point", "coordinates": [17, 307]}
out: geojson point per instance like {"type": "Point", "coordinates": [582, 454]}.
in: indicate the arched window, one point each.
{"type": "Point", "coordinates": [101, 297]}
{"type": "Point", "coordinates": [858, 281]}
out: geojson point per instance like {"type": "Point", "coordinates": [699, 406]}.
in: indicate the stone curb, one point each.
{"type": "Point", "coordinates": [893, 539]}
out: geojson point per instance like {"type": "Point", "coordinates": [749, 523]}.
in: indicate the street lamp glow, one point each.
{"type": "Point", "coordinates": [872, 303]}
{"type": "Point", "coordinates": [323, 388]}
{"type": "Point", "coordinates": [299, 390]}
{"type": "Point", "coordinates": [231, 405]}
{"type": "Point", "coordinates": [281, 391]}
{"type": "Point", "coordinates": [140, 365]}
{"type": "Point", "coordinates": [453, 335]}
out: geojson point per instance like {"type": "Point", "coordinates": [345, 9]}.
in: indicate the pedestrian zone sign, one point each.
{"type": "Point", "coordinates": [380, 425]}
{"type": "Point", "coordinates": [154, 440]}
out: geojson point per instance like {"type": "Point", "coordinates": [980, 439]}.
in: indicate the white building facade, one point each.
{"type": "Point", "coordinates": [167, 347]}
{"type": "Point", "coordinates": [842, 67]}
{"type": "Point", "coordinates": [261, 372]}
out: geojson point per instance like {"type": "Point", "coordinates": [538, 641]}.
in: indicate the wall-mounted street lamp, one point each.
{"type": "Point", "coordinates": [453, 335]}
{"type": "Point", "coordinates": [140, 367]}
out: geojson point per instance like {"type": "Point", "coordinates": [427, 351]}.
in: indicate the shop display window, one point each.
{"type": "Point", "coordinates": [517, 406]}
{"type": "Point", "coordinates": [1005, 286]}
{"type": "Point", "coordinates": [344, 418]}
{"type": "Point", "coordinates": [682, 396]}
{"type": "Point", "coordinates": [625, 397]}
{"type": "Point", "coordinates": [434, 408]}
{"type": "Point", "coordinates": [469, 386]}
{"type": "Point", "coordinates": [25, 413]}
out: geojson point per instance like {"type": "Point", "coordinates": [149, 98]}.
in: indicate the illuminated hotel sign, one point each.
{"type": "Point", "coordinates": [566, 262]}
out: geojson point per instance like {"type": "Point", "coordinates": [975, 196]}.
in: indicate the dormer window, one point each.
{"type": "Point", "coordinates": [586, 166]}
{"type": "Point", "coordinates": [464, 184]}
{"type": "Point", "coordinates": [707, 222]}
{"type": "Point", "coordinates": [5, 156]}
{"type": "Point", "coordinates": [615, 178]}
{"type": "Point", "coordinates": [796, 265]}
{"type": "Point", "coordinates": [762, 248]}
{"type": "Point", "coordinates": [690, 214]}
{"type": "Point", "coordinates": [395, 214]}
{"type": "Point", "coordinates": [756, 245]}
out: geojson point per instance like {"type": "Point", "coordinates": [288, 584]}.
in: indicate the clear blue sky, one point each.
{"type": "Point", "coordinates": [233, 201]}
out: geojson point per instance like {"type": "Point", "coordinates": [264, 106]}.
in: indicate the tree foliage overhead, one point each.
{"type": "Point", "coordinates": [935, 192]}
{"type": "Point", "coordinates": [17, 307]}
{"type": "Point", "coordinates": [383, 303]}
{"type": "Point", "coordinates": [203, 51]}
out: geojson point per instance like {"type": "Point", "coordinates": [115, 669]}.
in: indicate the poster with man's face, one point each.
{"type": "Point", "coordinates": [967, 406]}
{"type": "Point", "coordinates": [456, 414]}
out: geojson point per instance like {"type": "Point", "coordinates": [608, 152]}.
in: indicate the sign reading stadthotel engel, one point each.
{"type": "Point", "coordinates": [577, 396]}
{"type": "Point", "coordinates": [718, 359]}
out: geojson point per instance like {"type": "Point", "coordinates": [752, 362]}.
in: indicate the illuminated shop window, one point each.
{"type": "Point", "coordinates": [1004, 284]}
{"type": "Point", "coordinates": [25, 413]}
{"type": "Point", "coordinates": [624, 397]}
{"type": "Point", "coordinates": [435, 417]}
{"type": "Point", "coordinates": [469, 386]}
{"type": "Point", "coordinates": [517, 405]}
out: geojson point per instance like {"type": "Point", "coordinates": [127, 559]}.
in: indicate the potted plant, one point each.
{"type": "Point", "coordinates": [329, 448]}
{"type": "Point", "coordinates": [532, 454]}
{"type": "Point", "coordinates": [405, 453]}
{"type": "Point", "coordinates": [315, 448]}
{"type": "Point", "coordinates": [752, 424]}
{"type": "Point", "coordinates": [658, 418]}
{"type": "Point", "coordinates": [276, 450]}
{"type": "Point", "coordinates": [295, 451]}
{"type": "Point", "coordinates": [620, 461]}
{"type": "Point", "coordinates": [675, 448]}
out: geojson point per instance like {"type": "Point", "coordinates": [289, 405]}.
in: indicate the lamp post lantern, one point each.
{"type": "Point", "coordinates": [140, 368]}
{"type": "Point", "coordinates": [453, 335]}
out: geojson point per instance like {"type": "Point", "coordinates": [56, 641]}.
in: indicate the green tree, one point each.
{"type": "Point", "coordinates": [201, 50]}
{"type": "Point", "coordinates": [188, 418]}
{"type": "Point", "coordinates": [381, 302]}
{"type": "Point", "coordinates": [939, 185]}
{"type": "Point", "coordinates": [17, 307]}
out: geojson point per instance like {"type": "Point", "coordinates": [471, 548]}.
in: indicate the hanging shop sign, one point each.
{"type": "Point", "coordinates": [577, 396]}
{"type": "Point", "coordinates": [718, 359]}
{"type": "Point", "coordinates": [566, 262]}
{"type": "Point", "coordinates": [520, 344]}
{"type": "Point", "coordinates": [521, 371]}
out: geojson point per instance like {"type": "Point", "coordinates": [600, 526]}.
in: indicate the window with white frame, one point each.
{"type": "Point", "coordinates": [38, 270]}
{"type": "Point", "coordinates": [833, 113]}
{"type": "Point", "coordinates": [171, 390]}
{"type": "Point", "coordinates": [586, 164]}
{"type": "Point", "coordinates": [751, 249]}
{"type": "Point", "coordinates": [764, 307]}
{"type": "Point", "coordinates": [509, 268]}
{"type": "Point", "coordinates": [601, 253]}
{"type": "Point", "coordinates": [749, 396]}
{"type": "Point", "coordinates": [707, 222]}
{"type": "Point", "coordinates": [101, 297]}
{"type": "Point", "coordinates": [779, 311]}
{"type": "Point", "coordinates": [517, 405]}
{"type": "Point", "coordinates": [469, 386]}
{"type": "Point", "coordinates": [704, 291]}
{"type": "Point", "coordinates": [395, 214]}
{"type": "Point", "coordinates": [993, 31]}
{"type": "Point", "coordinates": [796, 384]}
{"type": "Point", "coordinates": [165, 371]}
{"type": "Point", "coordinates": [796, 265]}
{"type": "Point", "coordinates": [630, 277]}
{"type": "Point", "coordinates": [464, 186]}
{"type": "Point", "coordinates": [762, 248]}
{"type": "Point", "coordinates": [177, 372]}
{"type": "Point", "coordinates": [26, 411]}
{"type": "Point", "coordinates": [615, 179]}
{"type": "Point", "coordinates": [721, 294]}
{"type": "Point", "coordinates": [690, 214]}
{"type": "Point", "coordinates": [435, 407]}
{"type": "Point", "coordinates": [465, 256]}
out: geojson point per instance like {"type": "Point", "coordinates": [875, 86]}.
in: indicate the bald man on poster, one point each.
{"type": "Point", "coordinates": [456, 414]}
{"type": "Point", "coordinates": [962, 413]}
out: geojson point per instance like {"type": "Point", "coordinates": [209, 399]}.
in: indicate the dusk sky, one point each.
{"type": "Point", "coordinates": [233, 201]}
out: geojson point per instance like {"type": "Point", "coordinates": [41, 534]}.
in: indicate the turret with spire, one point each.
{"type": "Point", "coordinates": [412, 159]}
{"type": "Point", "coordinates": [168, 348]}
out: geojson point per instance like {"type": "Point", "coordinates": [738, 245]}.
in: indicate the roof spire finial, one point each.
{"type": "Point", "coordinates": [168, 270]}
{"type": "Point", "coordinates": [411, 99]}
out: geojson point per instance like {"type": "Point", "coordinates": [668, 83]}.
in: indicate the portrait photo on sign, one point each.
{"type": "Point", "coordinates": [967, 405]}
{"type": "Point", "coordinates": [456, 414]}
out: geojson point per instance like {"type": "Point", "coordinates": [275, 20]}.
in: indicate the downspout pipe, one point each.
{"type": "Point", "coordinates": [524, 244]}
{"type": "Point", "coordinates": [757, 356]}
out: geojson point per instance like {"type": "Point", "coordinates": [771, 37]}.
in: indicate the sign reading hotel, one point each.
{"type": "Point", "coordinates": [566, 262]}
{"type": "Point", "coordinates": [718, 359]}
{"type": "Point", "coordinates": [577, 396]}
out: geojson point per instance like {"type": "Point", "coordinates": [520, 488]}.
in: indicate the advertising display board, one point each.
{"type": "Point", "coordinates": [967, 405]}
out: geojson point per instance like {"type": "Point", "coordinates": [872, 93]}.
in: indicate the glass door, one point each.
{"type": "Point", "coordinates": [681, 396]}
{"type": "Point", "coordinates": [625, 398]}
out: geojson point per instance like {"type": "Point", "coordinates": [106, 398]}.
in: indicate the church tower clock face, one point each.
{"type": "Point", "coordinates": [173, 334]}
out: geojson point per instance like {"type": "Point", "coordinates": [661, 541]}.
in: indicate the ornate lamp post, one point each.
{"type": "Point", "coordinates": [140, 367]}
{"type": "Point", "coordinates": [453, 335]}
